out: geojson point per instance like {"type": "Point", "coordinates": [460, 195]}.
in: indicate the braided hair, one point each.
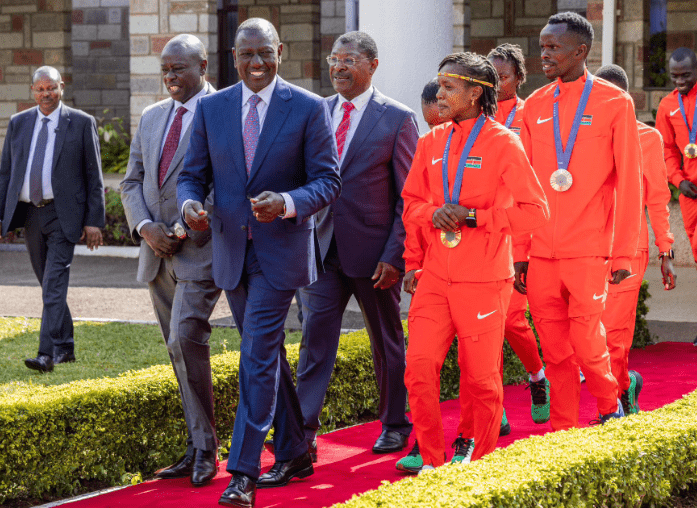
{"type": "Point", "coordinates": [477, 67]}
{"type": "Point", "coordinates": [513, 54]}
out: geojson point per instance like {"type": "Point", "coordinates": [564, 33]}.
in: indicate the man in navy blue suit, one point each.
{"type": "Point", "coordinates": [268, 149]}
{"type": "Point", "coordinates": [361, 238]}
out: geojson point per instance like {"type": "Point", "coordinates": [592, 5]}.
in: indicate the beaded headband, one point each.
{"type": "Point", "coordinates": [466, 78]}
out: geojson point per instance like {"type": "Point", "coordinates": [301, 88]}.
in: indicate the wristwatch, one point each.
{"type": "Point", "coordinates": [471, 219]}
{"type": "Point", "coordinates": [670, 254]}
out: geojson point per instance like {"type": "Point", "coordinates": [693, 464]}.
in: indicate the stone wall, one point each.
{"type": "Point", "coordinates": [32, 33]}
{"type": "Point", "coordinates": [462, 16]}
{"type": "Point", "coordinates": [332, 25]}
{"type": "Point", "coordinates": [298, 25]}
{"type": "Point", "coordinates": [101, 49]}
{"type": "Point", "coordinates": [151, 24]}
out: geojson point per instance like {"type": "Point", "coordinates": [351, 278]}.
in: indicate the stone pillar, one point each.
{"type": "Point", "coordinates": [32, 33]}
{"type": "Point", "coordinates": [462, 16]}
{"type": "Point", "coordinates": [154, 22]}
{"type": "Point", "coordinates": [298, 25]}
{"type": "Point", "coordinates": [101, 49]}
{"type": "Point", "coordinates": [412, 39]}
{"type": "Point", "coordinates": [332, 25]}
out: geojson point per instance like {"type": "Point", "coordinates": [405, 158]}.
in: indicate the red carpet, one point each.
{"type": "Point", "coordinates": [346, 466]}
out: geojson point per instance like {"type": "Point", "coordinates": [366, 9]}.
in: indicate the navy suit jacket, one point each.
{"type": "Point", "coordinates": [366, 220]}
{"type": "Point", "coordinates": [296, 153]}
{"type": "Point", "coordinates": [76, 177]}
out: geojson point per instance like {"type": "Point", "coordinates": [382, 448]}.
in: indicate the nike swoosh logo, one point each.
{"type": "Point", "coordinates": [673, 112]}
{"type": "Point", "coordinates": [598, 297]}
{"type": "Point", "coordinates": [539, 120]}
{"type": "Point", "coordinates": [482, 316]}
{"type": "Point", "coordinates": [435, 161]}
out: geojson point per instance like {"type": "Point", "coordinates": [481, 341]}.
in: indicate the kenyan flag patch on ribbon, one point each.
{"type": "Point", "coordinates": [515, 130]}
{"type": "Point", "coordinates": [586, 119]}
{"type": "Point", "coordinates": [474, 162]}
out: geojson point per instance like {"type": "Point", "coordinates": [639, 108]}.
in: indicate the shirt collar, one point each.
{"type": "Point", "coordinates": [360, 101]}
{"type": "Point", "coordinates": [581, 81]}
{"type": "Point", "coordinates": [264, 94]}
{"type": "Point", "coordinates": [190, 105]}
{"type": "Point", "coordinates": [55, 114]}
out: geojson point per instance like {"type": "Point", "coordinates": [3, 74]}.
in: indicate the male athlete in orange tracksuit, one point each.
{"type": "Point", "coordinates": [465, 290]}
{"type": "Point", "coordinates": [682, 170]}
{"type": "Point", "coordinates": [619, 316]}
{"type": "Point", "coordinates": [569, 263]}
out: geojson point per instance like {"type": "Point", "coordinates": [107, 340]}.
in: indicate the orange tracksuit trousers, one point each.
{"type": "Point", "coordinates": [566, 297]}
{"type": "Point", "coordinates": [440, 310]}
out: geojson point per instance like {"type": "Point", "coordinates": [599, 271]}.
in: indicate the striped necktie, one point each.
{"type": "Point", "coordinates": [342, 131]}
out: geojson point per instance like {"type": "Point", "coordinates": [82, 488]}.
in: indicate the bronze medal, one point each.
{"type": "Point", "coordinates": [691, 151]}
{"type": "Point", "coordinates": [561, 180]}
{"type": "Point", "coordinates": [451, 238]}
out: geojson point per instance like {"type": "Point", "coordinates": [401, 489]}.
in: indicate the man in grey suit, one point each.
{"type": "Point", "coordinates": [361, 239]}
{"type": "Point", "coordinates": [175, 261]}
{"type": "Point", "coordinates": [51, 184]}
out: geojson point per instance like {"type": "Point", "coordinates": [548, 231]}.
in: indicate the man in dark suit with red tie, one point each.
{"type": "Point", "coordinates": [51, 184]}
{"type": "Point", "coordinates": [361, 238]}
{"type": "Point", "coordinates": [268, 150]}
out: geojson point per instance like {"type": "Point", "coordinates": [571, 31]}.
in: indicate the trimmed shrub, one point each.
{"type": "Point", "coordinates": [116, 228]}
{"type": "Point", "coordinates": [627, 462]}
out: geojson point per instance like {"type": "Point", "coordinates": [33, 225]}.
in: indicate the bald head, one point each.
{"type": "Point", "coordinates": [259, 25]}
{"type": "Point", "coordinates": [46, 72]}
{"type": "Point", "coordinates": [183, 65]}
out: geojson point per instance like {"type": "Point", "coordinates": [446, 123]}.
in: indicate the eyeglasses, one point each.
{"type": "Point", "coordinates": [348, 62]}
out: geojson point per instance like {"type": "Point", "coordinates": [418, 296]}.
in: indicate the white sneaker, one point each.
{"type": "Point", "coordinates": [426, 467]}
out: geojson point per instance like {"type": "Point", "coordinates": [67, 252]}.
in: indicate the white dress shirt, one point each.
{"type": "Point", "coordinates": [48, 155]}
{"type": "Point", "coordinates": [359, 105]}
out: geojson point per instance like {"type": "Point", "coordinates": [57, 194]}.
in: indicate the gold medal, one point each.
{"type": "Point", "coordinates": [451, 238]}
{"type": "Point", "coordinates": [561, 180]}
{"type": "Point", "coordinates": [691, 151]}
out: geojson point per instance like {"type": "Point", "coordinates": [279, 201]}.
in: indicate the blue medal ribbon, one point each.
{"type": "Point", "coordinates": [564, 155]}
{"type": "Point", "coordinates": [692, 132]}
{"type": "Point", "coordinates": [511, 115]}
{"type": "Point", "coordinates": [474, 133]}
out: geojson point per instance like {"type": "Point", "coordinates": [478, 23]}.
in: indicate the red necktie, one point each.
{"type": "Point", "coordinates": [171, 144]}
{"type": "Point", "coordinates": [342, 131]}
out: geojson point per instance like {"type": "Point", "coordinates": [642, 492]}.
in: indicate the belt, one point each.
{"type": "Point", "coordinates": [43, 203]}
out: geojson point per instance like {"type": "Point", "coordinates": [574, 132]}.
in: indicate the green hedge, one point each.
{"type": "Point", "coordinates": [629, 462]}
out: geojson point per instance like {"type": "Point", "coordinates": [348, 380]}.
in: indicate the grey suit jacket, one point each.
{"type": "Point", "coordinates": [76, 176]}
{"type": "Point", "coordinates": [143, 198]}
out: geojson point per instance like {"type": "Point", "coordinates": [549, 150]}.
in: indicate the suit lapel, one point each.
{"type": "Point", "coordinates": [232, 125]}
{"type": "Point", "coordinates": [275, 116]}
{"type": "Point", "coordinates": [373, 111]}
{"type": "Point", "coordinates": [25, 133]}
{"type": "Point", "coordinates": [63, 125]}
{"type": "Point", "coordinates": [155, 141]}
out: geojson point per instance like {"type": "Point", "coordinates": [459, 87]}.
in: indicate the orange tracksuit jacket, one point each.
{"type": "Point", "coordinates": [671, 125]}
{"type": "Point", "coordinates": [606, 158]}
{"type": "Point", "coordinates": [619, 316]}
{"type": "Point", "coordinates": [509, 200]}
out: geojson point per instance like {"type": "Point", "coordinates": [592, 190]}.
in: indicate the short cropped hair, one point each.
{"type": "Point", "coordinates": [477, 67]}
{"type": "Point", "coordinates": [576, 24]}
{"type": "Point", "coordinates": [258, 25]}
{"type": "Point", "coordinates": [615, 75]}
{"type": "Point", "coordinates": [428, 96]}
{"type": "Point", "coordinates": [366, 44]}
{"type": "Point", "coordinates": [681, 53]}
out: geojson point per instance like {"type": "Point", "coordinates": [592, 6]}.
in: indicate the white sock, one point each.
{"type": "Point", "coordinates": [534, 378]}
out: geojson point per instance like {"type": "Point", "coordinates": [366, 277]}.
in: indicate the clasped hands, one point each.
{"type": "Point", "coordinates": [266, 207]}
{"type": "Point", "coordinates": [449, 217]}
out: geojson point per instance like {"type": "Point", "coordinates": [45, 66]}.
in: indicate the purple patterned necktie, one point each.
{"type": "Point", "coordinates": [36, 192]}
{"type": "Point", "coordinates": [250, 133]}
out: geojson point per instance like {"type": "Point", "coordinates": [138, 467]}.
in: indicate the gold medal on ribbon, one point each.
{"type": "Point", "coordinates": [451, 238]}
{"type": "Point", "coordinates": [691, 151]}
{"type": "Point", "coordinates": [561, 180]}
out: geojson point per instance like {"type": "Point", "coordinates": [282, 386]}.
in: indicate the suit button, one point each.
{"type": "Point", "coordinates": [331, 214]}
{"type": "Point", "coordinates": [243, 227]}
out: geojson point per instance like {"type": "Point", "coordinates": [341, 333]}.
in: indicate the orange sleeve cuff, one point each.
{"type": "Point", "coordinates": [484, 217]}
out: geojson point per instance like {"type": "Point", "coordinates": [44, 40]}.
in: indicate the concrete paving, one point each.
{"type": "Point", "coordinates": [105, 288]}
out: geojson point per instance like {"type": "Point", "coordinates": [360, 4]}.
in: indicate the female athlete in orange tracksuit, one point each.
{"type": "Point", "coordinates": [465, 287]}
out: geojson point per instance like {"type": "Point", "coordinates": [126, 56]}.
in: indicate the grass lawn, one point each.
{"type": "Point", "coordinates": [102, 350]}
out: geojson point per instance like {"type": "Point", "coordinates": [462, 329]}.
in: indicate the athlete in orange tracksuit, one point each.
{"type": "Point", "coordinates": [594, 218]}
{"type": "Point", "coordinates": [619, 316]}
{"type": "Point", "coordinates": [682, 169]}
{"type": "Point", "coordinates": [465, 287]}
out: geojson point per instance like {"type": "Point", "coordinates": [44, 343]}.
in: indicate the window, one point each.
{"type": "Point", "coordinates": [658, 25]}
{"type": "Point", "coordinates": [227, 25]}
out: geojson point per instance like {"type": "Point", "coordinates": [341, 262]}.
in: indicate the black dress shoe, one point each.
{"type": "Point", "coordinates": [241, 491]}
{"type": "Point", "coordinates": [64, 358]}
{"type": "Point", "coordinates": [180, 469]}
{"type": "Point", "coordinates": [283, 472]}
{"type": "Point", "coordinates": [42, 363]}
{"type": "Point", "coordinates": [205, 467]}
{"type": "Point", "coordinates": [311, 448]}
{"type": "Point", "coordinates": [390, 441]}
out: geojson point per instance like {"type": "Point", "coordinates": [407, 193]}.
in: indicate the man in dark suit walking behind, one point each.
{"type": "Point", "coordinates": [174, 262]}
{"type": "Point", "coordinates": [51, 184]}
{"type": "Point", "coordinates": [268, 148]}
{"type": "Point", "coordinates": [361, 239]}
